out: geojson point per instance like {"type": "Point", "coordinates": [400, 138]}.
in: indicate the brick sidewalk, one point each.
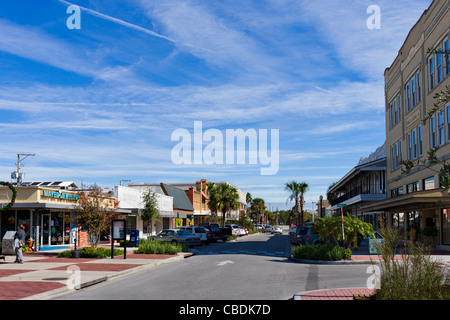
{"type": "Point", "coordinates": [42, 275]}
{"type": "Point", "coordinates": [334, 294]}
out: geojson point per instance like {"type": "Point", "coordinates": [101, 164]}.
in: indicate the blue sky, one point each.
{"type": "Point", "coordinates": [99, 104]}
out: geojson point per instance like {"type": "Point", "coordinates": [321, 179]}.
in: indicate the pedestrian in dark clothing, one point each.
{"type": "Point", "coordinates": [19, 242]}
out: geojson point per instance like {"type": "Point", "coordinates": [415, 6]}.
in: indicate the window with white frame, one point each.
{"type": "Point", "coordinates": [439, 54]}
{"type": "Point", "coordinates": [408, 98]}
{"type": "Point", "coordinates": [440, 127]}
{"type": "Point", "coordinates": [409, 146]}
{"type": "Point", "coordinates": [412, 144]}
{"type": "Point", "coordinates": [419, 141]}
{"type": "Point", "coordinates": [433, 132]}
{"type": "Point", "coordinates": [412, 92]}
{"type": "Point", "coordinates": [430, 73]}
{"type": "Point", "coordinates": [419, 84]}
{"type": "Point", "coordinates": [446, 58]}
{"type": "Point", "coordinates": [447, 111]}
{"type": "Point", "coordinates": [396, 155]}
{"type": "Point", "coordinates": [394, 111]}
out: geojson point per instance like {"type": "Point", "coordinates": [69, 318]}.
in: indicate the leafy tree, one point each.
{"type": "Point", "coordinates": [150, 212]}
{"type": "Point", "coordinates": [92, 214]}
{"type": "Point", "coordinates": [297, 190]}
{"type": "Point", "coordinates": [286, 215]}
{"type": "Point", "coordinates": [331, 228]}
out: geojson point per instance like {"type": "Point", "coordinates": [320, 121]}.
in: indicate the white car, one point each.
{"type": "Point", "coordinates": [267, 228]}
{"type": "Point", "coordinates": [235, 229]}
{"type": "Point", "coordinates": [196, 231]}
{"type": "Point", "coordinates": [277, 229]}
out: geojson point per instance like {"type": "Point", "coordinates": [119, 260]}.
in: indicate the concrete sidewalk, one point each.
{"type": "Point", "coordinates": [44, 276]}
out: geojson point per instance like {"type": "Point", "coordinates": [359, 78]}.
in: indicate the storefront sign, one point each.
{"type": "Point", "coordinates": [118, 228]}
{"type": "Point", "coordinates": [61, 195]}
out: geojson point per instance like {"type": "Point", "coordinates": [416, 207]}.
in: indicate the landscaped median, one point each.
{"type": "Point", "coordinates": [320, 253]}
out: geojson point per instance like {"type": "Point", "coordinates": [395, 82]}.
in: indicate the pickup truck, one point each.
{"type": "Point", "coordinates": [217, 232]}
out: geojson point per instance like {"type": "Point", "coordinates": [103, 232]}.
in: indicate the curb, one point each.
{"type": "Point", "coordinates": [341, 262]}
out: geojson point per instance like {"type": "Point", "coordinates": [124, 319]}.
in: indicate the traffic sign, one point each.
{"type": "Point", "coordinates": [341, 205]}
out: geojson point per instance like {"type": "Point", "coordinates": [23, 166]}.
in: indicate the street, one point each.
{"type": "Point", "coordinates": [254, 267]}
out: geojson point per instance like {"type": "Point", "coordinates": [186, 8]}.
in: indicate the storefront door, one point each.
{"type": "Point", "coordinates": [45, 223]}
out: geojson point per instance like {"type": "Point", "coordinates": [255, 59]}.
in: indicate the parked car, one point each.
{"type": "Point", "coordinates": [176, 236]}
{"type": "Point", "coordinates": [198, 231]}
{"type": "Point", "coordinates": [277, 229]}
{"type": "Point", "coordinates": [306, 236]}
{"type": "Point", "coordinates": [235, 229]}
{"type": "Point", "coordinates": [245, 231]}
{"type": "Point", "coordinates": [258, 226]}
{"type": "Point", "coordinates": [217, 232]}
{"type": "Point", "coordinates": [267, 228]}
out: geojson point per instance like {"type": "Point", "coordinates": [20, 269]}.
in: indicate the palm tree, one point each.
{"type": "Point", "coordinates": [248, 200]}
{"type": "Point", "coordinates": [223, 197]}
{"type": "Point", "coordinates": [297, 190]}
{"type": "Point", "coordinates": [258, 207]}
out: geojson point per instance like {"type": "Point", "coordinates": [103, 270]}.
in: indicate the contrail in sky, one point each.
{"type": "Point", "coordinates": [118, 21]}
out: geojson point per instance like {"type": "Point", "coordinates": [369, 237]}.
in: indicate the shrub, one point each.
{"type": "Point", "coordinates": [347, 254]}
{"type": "Point", "coordinates": [417, 276]}
{"type": "Point", "coordinates": [90, 252]}
{"type": "Point", "coordinates": [318, 252]}
{"type": "Point", "coordinates": [158, 247]}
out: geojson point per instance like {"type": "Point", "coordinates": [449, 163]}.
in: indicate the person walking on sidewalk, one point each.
{"type": "Point", "coordinates": [19, 241]}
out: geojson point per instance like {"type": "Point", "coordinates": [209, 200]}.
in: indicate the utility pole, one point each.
{"type": "Point", "coordinates": [16, 175]}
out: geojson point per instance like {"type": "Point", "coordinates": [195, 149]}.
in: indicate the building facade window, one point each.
{"type": "Point", "coordinates": [394, 111]}
{"type": "Point", "coordinates": [439, 66]}
{"type": "Point", "coordinates": [433, 132]}
{"type": "Point", "coordinates": [419, 139]}
{"type": "Point", "coordinates": [409, 146]}
{"type": "Point", "coordinates": [412, 187]}
{"type": "Point", "coordinates": [412, 92]}
{"type": "Point", "coordinates": [396, 155]}
{"type": "Point", "coordinates": [428, 183]}
{"type": "Point", "coordinates": [447, 111]}
{"type": "Point", "coordinates": [408, 98]}
{"type": "Point", "coordinates": [446, 58]}
{"type": "Point", "coordinates": [430, 73]}
{"type": "Point", "coordinates": [397, 192]}
{"type": "Point", "coordinates": [440, 128]}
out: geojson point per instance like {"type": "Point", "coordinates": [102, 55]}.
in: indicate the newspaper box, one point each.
{"type": "Point", "coordinates": [8, 243]}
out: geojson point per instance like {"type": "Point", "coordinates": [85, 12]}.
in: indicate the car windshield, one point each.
{"type": "Point", "coordinates": [214, 228]}
{"type": "Point", "coordinates": [302, 231]}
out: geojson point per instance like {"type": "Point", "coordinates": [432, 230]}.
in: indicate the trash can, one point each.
{"type": "Point", "coordinates": [8, 243]}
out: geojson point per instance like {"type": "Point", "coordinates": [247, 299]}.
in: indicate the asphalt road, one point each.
{"type": "Point", "coordinates": [255, 267]}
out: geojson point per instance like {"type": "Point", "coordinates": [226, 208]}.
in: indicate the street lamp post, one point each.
{"type": "Point", "coordinates": [320, 212]}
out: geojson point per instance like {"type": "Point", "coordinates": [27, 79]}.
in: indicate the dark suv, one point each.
{"type": "Point", "coordinates": [305, 235]}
